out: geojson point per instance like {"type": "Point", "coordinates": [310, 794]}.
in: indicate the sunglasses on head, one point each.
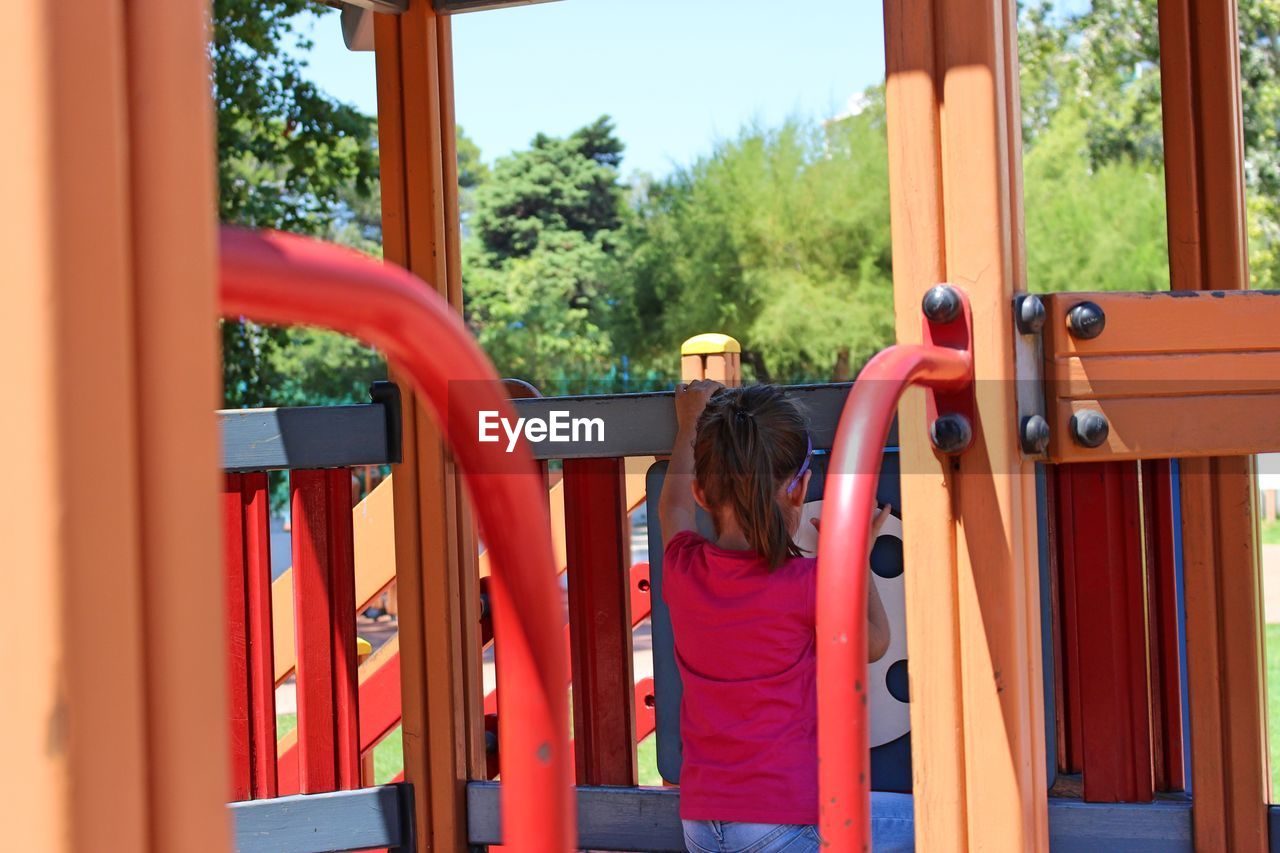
{"type": "Point", "coordinates": [808, 456]}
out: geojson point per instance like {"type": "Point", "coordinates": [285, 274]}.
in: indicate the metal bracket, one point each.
{"type": "Point", "coordinates": [1028, 359]}
{"type": "Point", "coordinates": [948, 322]}
{"type": "Point", "coordinates": [387, 394]}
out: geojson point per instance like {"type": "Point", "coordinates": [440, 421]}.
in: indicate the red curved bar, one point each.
{"type": "Point", "coordinates": [844, 771]}
{"type": "Point", "coordinates": [285, 279]}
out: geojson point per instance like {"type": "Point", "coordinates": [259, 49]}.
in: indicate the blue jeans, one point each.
{"type": "Point", "coordinates": [715, 836]}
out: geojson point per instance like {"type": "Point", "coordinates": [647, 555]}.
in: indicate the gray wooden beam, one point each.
{"type": "Point", "coordinates": [325, 823]}
{"type": "Point", "coordinates": [644, 819]}
{"type": "Point", "coordinates": [304, 437]}
{"type": "Point", "coordinates": [449, 7]}
{"type": "Point", "coordinates": [645, 424]}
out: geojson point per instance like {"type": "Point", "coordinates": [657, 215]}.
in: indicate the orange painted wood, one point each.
{"type": "Point", "coordinates": [1170, 427]}
{"type": "Point", "coordinates": [436, 578]}
{"type": "Point", "coordinates": [913, 123]}
{"type": "Point", "coordinates": [122, 651]}
{"type": "Point", "coordinates": [972, 614]}
{"type": "Point", "coordinates": [1226, 320]}
{"type": "Point", "coordinates": [1204, 155]}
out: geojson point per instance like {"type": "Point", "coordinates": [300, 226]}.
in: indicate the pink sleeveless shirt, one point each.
{"type": "Point", "coordinates": [744, 641]}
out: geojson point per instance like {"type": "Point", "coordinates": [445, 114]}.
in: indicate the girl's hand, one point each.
{"type": "Point", "coordinates": [883, 511]}
{"type": "Point", "coordinates": [691, 399]}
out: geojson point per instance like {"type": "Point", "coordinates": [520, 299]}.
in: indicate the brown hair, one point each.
{"type": "Point", "coordinates": [750, 443]}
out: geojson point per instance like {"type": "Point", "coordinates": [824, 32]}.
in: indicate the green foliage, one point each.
{"type": "Point", "coordinates": [540, 268]}
{"type": "Point", "coordinates": [1101, 70]}
{"type": "Point", "coordinates": [1091, 228]}
{"type": "Point", "coordinates": [289, 157]}
{"type": "Point", "coordinates": [779, 238]}
{"type": "Point", "coordinates": [287, 152]}
{"type": "Point", "coordinates": [555, 187]}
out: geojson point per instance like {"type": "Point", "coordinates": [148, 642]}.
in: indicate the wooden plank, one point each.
{"type": "Point", "coordinates": [644, 424]}
{"type": "Point", "coordinates": [1170, 427]}
{"type": "Point", "coordinates": [304, 437]}
{"type": "Point", "coordinates": [1224, 319]}
{"type": "Point", "coordinates": [1169, 374]}
{"type": "Point", "coordinates": [172, 169]}
{"type": "Point", "coordinates": [256, 507]}
{"type": "Point", "coordinates": [973, 619]}
{"type": "Point", "coordinates": [324, 823]}
{"type": "Point", "coordinates": [1106, 564]}
{"type": "Point", "coordinates": [122, 650]}
{"type": "Point", "coordinates": [317, 760]}
{"type": "Point", "coordinates": [1204, 160]}
{"type": "Point", "coordinates": [913, 120]}
{"type": "Point", "coordinates": [1070, 736]}
{"type": "Point", "coordinates": [342, 627]}
{"type": "Point", "coordinates": [1162, 621]}
{"type": "Point", "coordinates": [237, 654]}
{"type": "Point", "coordinates": [600, 624]}
{"type": "Point", "coordinates": [645, 819]}
{"type": "Point", "coordinates": [435, 579]}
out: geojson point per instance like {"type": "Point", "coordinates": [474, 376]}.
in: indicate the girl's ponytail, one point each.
{"type": "Point", "coordinates": [750, 442]}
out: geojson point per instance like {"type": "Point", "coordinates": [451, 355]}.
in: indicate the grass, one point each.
{"type": "Point", "coordinates": [1271, 533]}
{"type": "Point", "coordinates": [388, 756]}
{"type": "Point", "coordinates": [1273, 705]}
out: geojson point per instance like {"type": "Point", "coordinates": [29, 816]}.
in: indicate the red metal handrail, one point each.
{"type": "Point", "coordinates": [285, 279]}
{"type": "Point", "coordinates": [844, 772]}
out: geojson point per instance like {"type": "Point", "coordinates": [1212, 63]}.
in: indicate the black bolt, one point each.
{"type": "Point", "coordinates": [1089, 428]}
{"type": "Point", "coordinates": [1086, 321]}
{"type": "Point", "coordinates": [1029, 314]}
{"type": "Point", "coordinates": [951, 433]}
{"type": "Point", "coordinates": [1034, 435]}
{"type": "Point", "coordinates": [941, 304]}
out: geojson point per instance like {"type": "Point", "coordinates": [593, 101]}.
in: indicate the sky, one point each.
{"type": "Point", "coordinates": [675, 76]}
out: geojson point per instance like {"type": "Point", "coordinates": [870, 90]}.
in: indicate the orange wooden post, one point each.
{"type": "Point", "coordinates": [711, 356]}
{"type": "Point", "coordinates": [973, 621]}
{"type": "Point", "coordinates": [437, 594]}
{"type": "Point", "coordinates": [1204, 185]}
{"type": "Point", "coordinates": [123, 657]}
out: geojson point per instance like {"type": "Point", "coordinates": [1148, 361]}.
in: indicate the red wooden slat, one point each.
{"type": "Point", "coordinates": [1067, 652]}
{"type": "Point", "coordinates": [598, 545]}
{"type": "Point", "coordinates": [317, 758]}
{"type": "Point", "coordinates": [342, 621]}
{"type": "Point", "coordinates": [255, 514]}
{"type": "Point", "coordinates": [1111, 632]}
{"type": "Point", "coordinates": [1166, 675]}
{"type": "Point", "coordinates": [237, 638]}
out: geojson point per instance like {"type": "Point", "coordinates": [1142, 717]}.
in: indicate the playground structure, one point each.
{"type": "Point", "coordinates": [1080, 546]}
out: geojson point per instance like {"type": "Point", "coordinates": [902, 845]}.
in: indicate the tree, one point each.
{"type": "Point", "coordinates": [541, 265]}
{"type": "Point", "coordinates": [780, 238]}
{"type": "Point", "coordinates": [1101, 69]}
{"type": "Point", "coordinates": [289, 157]}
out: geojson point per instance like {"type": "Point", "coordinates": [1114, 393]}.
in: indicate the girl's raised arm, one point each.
{"type": "Point", "coordinates": [676, 507]}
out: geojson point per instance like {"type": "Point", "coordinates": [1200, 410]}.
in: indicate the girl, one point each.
{"type": "Point", "coordinates": [742, 611]}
